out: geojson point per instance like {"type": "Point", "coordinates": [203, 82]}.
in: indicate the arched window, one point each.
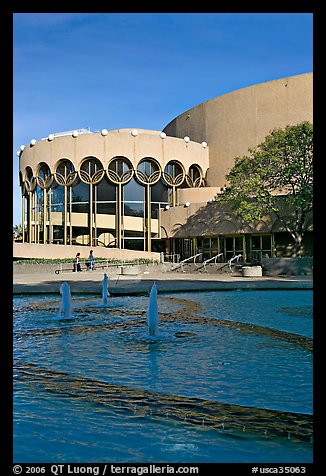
{"type": "Point", "coordinates": [43, 176]}
{"type": "Point", "coordinates": [28, 173]}
{"type": "Point", "coordinates": [29, 180]}
{"type": "Point", "coordinates": [65, 172]}
{"type": "Point", "coordinates": [148, 171]}
{"type": "Point", "coordinates": [120, 170]}
{"type": "Point", "coordinates": [173, 176]}
{"type": "Point", "coordinates": [91, 170]}
{"type": "Point", "coordinates": [174, 173]}
{"type": "Point", "coordinates": [194, 177]}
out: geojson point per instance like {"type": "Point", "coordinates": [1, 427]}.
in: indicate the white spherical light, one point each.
{"type": "Point", "coordinates": [186, 139]}
{"type": "Point", "coordinates": [167, 207]}
{"type": "Point", "coordinates": [104, 132]}
{"type": "Point", "coordinates": [22, 147]}
{"type": "Point", "coordinates": [75, 133]}
{"type": "Point", "coordinates": [134, 132]}
{"type": "Point", "coordinates": [18, 153]}
{"type": "Point", "coordinates": [187, 204]}
{"type": "Point", "coordinates": [50, 137]}
{"type": "Point", "coordinates": [204, 144]}
{"type": "Point", "coordinates": [33, 142]}
{"type": "Point", "coordinates": [163, 135]}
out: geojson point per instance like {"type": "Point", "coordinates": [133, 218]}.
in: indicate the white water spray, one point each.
{"type": "Point", "coordinates": [65, 307]}
{"type": "Point", "coordinates": [105, 287]}
{"type": "Point", "coordinates": [152, 313]}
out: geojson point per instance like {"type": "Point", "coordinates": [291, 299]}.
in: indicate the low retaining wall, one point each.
{"type": "Point", "coordinates": [112, 269]}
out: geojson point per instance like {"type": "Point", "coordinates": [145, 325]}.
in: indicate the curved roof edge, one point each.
{"type": "Point", "coordinates": [283, 78]}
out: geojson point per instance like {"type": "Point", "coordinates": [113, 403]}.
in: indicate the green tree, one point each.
{"type": "Point", "coordinates": [275, 177]}
{"type": "Point", "coordinates": [17, 229]}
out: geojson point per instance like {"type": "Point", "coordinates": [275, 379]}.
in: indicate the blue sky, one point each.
{"type": "Point", "coordinates": [116, 70]}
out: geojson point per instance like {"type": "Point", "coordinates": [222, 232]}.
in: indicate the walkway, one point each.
{"type": "Point", "coordinates": [90, 282]}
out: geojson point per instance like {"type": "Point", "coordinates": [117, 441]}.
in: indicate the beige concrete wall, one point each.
{"type": "Point", "coordinates": [235, 122]}
{"type": "Point", "coordinates": [116, 143]}
{"type": "Point", "coordinates": [197, 195]}
{"type": "Point", "coordinates": [210, 219]}
{"type": "Point", "coordinates": [176, 218]}
{"type": "Point", "coordinates": [33, 250]}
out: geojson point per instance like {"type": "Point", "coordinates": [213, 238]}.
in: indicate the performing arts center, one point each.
{"type": "Point", "coordinates": [153, 191]}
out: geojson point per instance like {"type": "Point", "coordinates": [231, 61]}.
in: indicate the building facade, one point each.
{"type": "Point", "coordinates": [151, 190]}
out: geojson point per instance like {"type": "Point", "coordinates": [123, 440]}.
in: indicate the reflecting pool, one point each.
{"type": "Point", "coordinates": [227, 379]}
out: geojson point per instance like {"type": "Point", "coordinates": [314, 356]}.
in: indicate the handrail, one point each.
{"type": "Point", "coordinates": [180, 265]}
{"type": "Point", "coordinates": [208, 260]}
{"type": "Point", "coordinates": [172, 255]}
{"type": "Point", "coordinates": [237, 257]}
{"type": "Point", "coordinates": [99, 264]}
{"type": "Point", "coordinates": [211, 259]}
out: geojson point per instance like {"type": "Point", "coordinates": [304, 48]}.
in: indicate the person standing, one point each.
{"type": "Point", "coordinates": [77, 266]}
{"type": "Point", "coordinates": [90, 264]}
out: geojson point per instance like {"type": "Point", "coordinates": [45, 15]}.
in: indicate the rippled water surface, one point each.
{"type": "Point", "coordinates": [62, 429]}
{"type": "Point", "coordinates": [284, 310]}
{"type": "Point", "coordinates": [239, 347]}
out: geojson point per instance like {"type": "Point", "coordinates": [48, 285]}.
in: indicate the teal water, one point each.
{"type": "Point", "coordinates": [214, 362]}
{"type": "Point", "coordinates": [61, 429]}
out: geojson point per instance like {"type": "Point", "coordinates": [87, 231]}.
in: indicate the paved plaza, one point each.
{"type": "Point", "coordinates": [90, 282]}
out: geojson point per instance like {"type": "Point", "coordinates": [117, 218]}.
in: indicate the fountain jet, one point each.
{"type": "Point", "coordinates": [105, 286]}
{"type": "Point", "coordinates": [65, 307]}
{"type": "Point", "coordinates": [152, 313]}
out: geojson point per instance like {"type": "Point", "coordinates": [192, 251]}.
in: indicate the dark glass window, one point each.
{"type": "Point", "coordinates": [229, 243]}
{"type": "Point", "coordinates": [148, 167]}
{"type": "Point", "coordinates": [58, 193]}
{"type": "Point", "coordinates": [80, 197]}
{"type": "Point", "coordinates": [136, 244]}
{"type": "Point", "coordinates": [173, 168]}
{"type": "Point", "coordinates": [199, 244]}
{"type": "Point", "coordinates": [105, 191]}
{"type": "Point", "coordinates": [65, 167]}
{"type": "Point", "coordinates": [80, 207]}
{"type": "Point", "coordinates": [106, 208]}
{"type": "Point", "coordinates": [133, 191]}
{"type": "Point", "coordinates": [135, 209]}
{"type": "Point", "coordinates": [91, 165]}
{"type": "Point", "coordinates": [238, 244]}
{"type": "Point", "coordinates": [120, 165]}
{"type": "Point", "coordinates": [158, 246]}
{"type": "Point", "coordinates": [214, 246]}
{"type": "Point", "coordinates": [44, 171]}
{"type": "Point", "coordinates": [194, 172]}
{"type": "Point", "coordinates": [159, 192]}
{"type": "Point", "coordinates": [134, 234]}
{"type": "Point", "coordinates": [28, 173]}
{"type": "Point", "coordinates": [255, 242]}
{"type": "Point", "coordinates": [154, 210]}
{"type": "Point", "coordinates": [266, 242]}
{"type": "Point", "coordinates": [80, 192]}
{"type": "Point", "coordinates": [39, 194]}
{"type": "Point", "coordinates": [57, 234]}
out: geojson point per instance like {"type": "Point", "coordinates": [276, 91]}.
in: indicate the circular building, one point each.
{"type": "Point", "coordinates": [235, 122]}
{"type": "Point", "coordinates": [105, 189]}
{"type": "Point", "coordinates": [151, 190]}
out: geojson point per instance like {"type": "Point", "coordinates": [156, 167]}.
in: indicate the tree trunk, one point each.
{"type": "Point", "coordinates": [298, 242]}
